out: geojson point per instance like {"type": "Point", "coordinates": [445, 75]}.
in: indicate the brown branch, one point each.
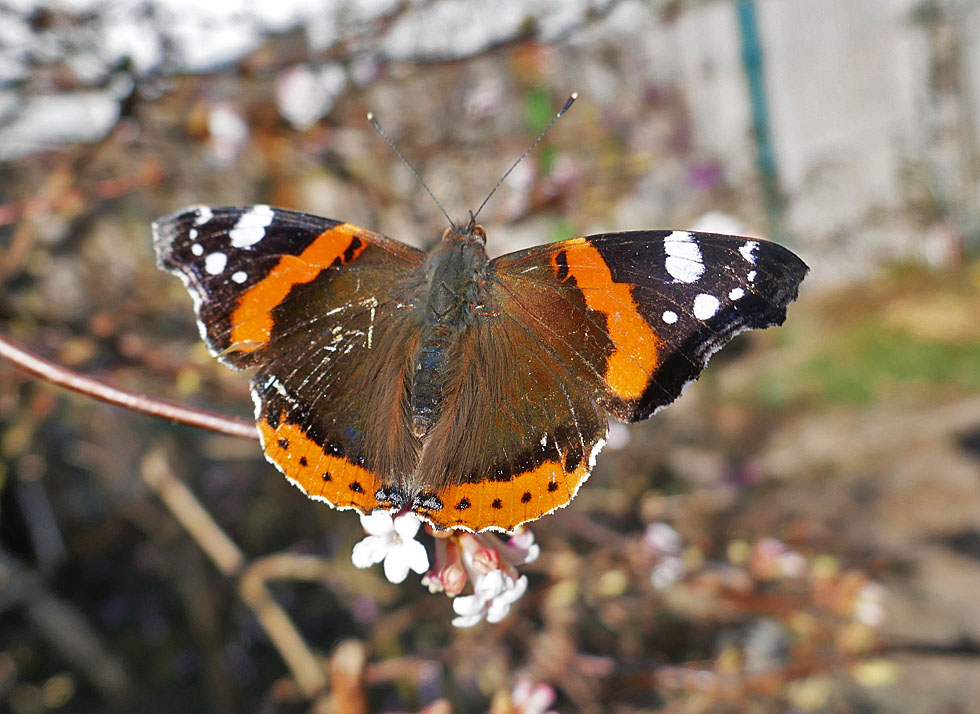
{"type": "Point", "coordinates": [347, 678]}
{"type": "Point", "coordinates": [307, 670]}
{"type": "Point", "coordinates": [63, 377]}
{"type": "Point", "coordinates": [216, 544]}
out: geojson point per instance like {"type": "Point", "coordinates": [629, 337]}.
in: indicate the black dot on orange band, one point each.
{"type": "Point", "coordinates": [355, 243]}
{"type": "Point", "coordinates": [552, 486]}
{"type": "Point", "coordinates": [356, 487]}
{"type": "Point", "coordinates": [497, 503]}
{"type": "Point", "coordinates": [463, 504]}
{"type": "Point", "coordinates": [284, 444]}
{"type": "Point", "coordinates": [327, 476]}
{"type": "Point", "coordinates": [561, 263]}
{"type": "Point", "coordinates": [526, 497]}
{"type": "Point", "coordinates": [302, 461]}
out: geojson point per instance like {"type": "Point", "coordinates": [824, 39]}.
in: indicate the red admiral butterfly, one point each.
{"type": "Point", "coordinates": [473, 392]}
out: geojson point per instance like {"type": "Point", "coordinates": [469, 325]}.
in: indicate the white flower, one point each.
{"type": "Point", "coordinates": [869, 607]}
{"type": "Point", "coordinates": [531, 698]}
{"type": "Point", "coordinates": [667, 572]}
{"type": "Point", "coordinates": [393, 541]}
{"type": "Point", "coordinates": [662, 539]}
{"type": "Point", "coordinates": [495, 593]}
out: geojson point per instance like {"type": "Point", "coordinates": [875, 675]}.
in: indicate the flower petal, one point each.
{"type": "Point", "coordinates": [497, 611]}
{"type": "Point", "coordinates": [377, 523]}
{"type": "Point", "coordinates": [467, 605]}
{"type": "Point", "coordinates": [490, 585]}
{"type": "Point", "coordinates": [414, 554]}
{"type": "Point", "coordinates": [516, 590]}
{"type": "Point", "coordinates": [396, 567]}
{"type": "Point", "coordinates": [369, 551]}
{"type": "Point", "coordinates": [498, 608]}
{"type": "Point", "coordinates": [521, 548]}
{"type": "Point", "coordinates": [407, 525]}
{"type": "Point", "coordinates": [467, 621]}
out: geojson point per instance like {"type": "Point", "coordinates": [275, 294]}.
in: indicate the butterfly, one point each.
{"type": "Point", "coordinates": [475, 393]}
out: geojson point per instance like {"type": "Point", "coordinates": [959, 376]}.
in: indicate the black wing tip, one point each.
{"type": "Point", "coordinates": [780, 273]}
{"type": "Point", "coordinates": [166, 229]}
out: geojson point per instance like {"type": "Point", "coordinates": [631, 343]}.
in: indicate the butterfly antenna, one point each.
{"type": "Point", "coordinates": [568, 104]}
{"type": "Point", "coordinates": [377, 127]}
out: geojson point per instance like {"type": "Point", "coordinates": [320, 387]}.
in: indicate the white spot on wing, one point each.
{"type": "Point", "coordinates": [544, 440]}
{"type": "Point", "coordinates": [197, 249]}
{"type": "Point", "coordinates": [215, 263]}
{"type": "Point", "coordinates": [684, 262]}
{"type": "Point", "coordinates": [751, 276]}
{"type": "Point", "coordinates": [251, 226]}
{"type": "Point", "coordinates": [669, 316]}
{"type": "Point", "coordinates": [736, 294]}
{"type": "Point", "coordinates": [204, 214]}
{"type": "Point", "coordinates": [239, 276]}
{"type": "Point", "coordinates": [748, 250]}
{"type": "Point", "coordinates": [705, 306]}
{"type": "Point", "coordinates": [192, 233]}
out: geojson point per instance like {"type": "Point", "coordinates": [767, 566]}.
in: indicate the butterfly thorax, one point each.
{"type": "Point", "coordinates": [455, 273]}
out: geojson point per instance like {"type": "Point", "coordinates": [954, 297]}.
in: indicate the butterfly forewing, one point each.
{"type": "Point", "coordinates": [637, 315]}
{"type": "Point", "coordinates": [241, 264]}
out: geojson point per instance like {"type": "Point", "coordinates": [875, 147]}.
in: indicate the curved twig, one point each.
{"type": "Point", "coordinates": [64, 377]}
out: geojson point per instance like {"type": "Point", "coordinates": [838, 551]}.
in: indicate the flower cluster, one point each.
{"type": "Point", "coordinates": [488, 562]}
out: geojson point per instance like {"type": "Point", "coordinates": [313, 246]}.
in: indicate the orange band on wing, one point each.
{"type": "Point", "coordinates": [636, 344]}
{"type": "Point", "coordinates": [252, 320]}
{"type": "Point", "coordinates": [506, 504]}
{"type": "Point", "coordinates": [318, 474]}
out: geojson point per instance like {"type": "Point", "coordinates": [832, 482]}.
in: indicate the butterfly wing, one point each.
{"type": "Point", "coordinates": [517, 435]}
{"type": "Point", "coordinates": [611, 325]}
{"type": "Point", "coordinates": [325, 310]}
{"type": "Point", "coordinates": [640, 313]}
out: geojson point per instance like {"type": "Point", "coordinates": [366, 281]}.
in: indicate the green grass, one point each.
{"type": "Point", "coordinates": [873, 361]}
{"type": "Point", "coordinates": [867, 361]}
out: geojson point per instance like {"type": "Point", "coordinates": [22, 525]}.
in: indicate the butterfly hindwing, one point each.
{"type": "Point", "coordinates": [518, 437]}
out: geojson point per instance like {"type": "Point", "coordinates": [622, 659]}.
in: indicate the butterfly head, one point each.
{"type": "Point", "coordinates": [469, 232]}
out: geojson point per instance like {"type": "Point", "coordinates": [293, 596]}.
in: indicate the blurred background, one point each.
{"type": "Point", "coordinates": [800, 532]}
